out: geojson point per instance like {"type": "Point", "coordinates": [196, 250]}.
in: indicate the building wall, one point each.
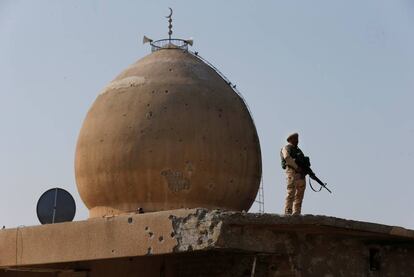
{"type": "Point", "coordinates": [301, 256]}
{"type": "Point", "coordinates": [208, 243]}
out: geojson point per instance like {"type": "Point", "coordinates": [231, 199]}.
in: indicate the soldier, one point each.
{"type": "Point", "coordinates": [295, 175]}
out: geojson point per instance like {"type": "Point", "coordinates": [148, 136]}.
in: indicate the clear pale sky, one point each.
{"type": "Point", "coordinates": [341, 73]}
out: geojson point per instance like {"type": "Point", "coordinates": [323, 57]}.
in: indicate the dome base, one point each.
{"type": "Point", "coordinates": [105, 211]}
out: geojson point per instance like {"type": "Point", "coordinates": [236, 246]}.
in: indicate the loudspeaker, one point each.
{"type": "Point", "coordinates": [146, 39]}
{"type": "Point", "coordinates": [190, 41]}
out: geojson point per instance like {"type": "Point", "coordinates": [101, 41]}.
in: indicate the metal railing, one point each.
{"type": "Point", "coordinates": [173, 43]}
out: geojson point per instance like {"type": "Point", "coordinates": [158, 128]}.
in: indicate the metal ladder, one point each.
{"type": "Point", "coordinates": [260, 195]}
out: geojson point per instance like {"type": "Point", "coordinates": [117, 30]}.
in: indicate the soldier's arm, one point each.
{"type": "Point", "coordinates": [289, 160]}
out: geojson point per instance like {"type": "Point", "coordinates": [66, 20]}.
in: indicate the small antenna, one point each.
{"type": "Point", "coordinates": [170, 24]}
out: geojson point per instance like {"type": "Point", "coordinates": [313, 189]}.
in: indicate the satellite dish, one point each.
{"type": "Point", "coordinates": [55, 205]}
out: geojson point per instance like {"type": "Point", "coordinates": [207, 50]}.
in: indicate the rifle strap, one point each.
{"type": "Point", "coordinates": [310, 184]}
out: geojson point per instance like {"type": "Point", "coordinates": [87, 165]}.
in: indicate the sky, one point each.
{"type": "Point", "coordinates": [341, 73]}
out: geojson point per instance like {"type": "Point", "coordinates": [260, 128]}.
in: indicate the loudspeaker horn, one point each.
{"type": "Point", "coordinates": [146, 39]}
{"type": "Point", "coordinates": [190, 41]}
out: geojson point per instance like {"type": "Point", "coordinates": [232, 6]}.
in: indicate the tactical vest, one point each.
{"type": "Point", "coordinates": [294, 152]}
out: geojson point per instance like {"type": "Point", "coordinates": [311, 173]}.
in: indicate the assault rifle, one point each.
{"type": "Point", "coordinates": [304, 163]}
{"type": "Point", "coordinates": [313, 176]}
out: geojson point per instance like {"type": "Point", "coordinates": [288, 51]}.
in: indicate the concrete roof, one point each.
{"type": "Point", "coordinates": [174, 231]}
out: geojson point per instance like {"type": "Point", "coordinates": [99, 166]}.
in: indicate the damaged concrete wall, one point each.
{"type": "Point", "coordinates": [346, 262]}
{"type": "Point", "coordinates": [202, 242]}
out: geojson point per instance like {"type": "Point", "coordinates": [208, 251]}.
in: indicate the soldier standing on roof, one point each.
{"type": "Point", "coordinates": [295, 175]}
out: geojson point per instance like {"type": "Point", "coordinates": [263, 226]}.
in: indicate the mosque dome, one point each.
{"type": "Point", "coordinates": [169, 132]}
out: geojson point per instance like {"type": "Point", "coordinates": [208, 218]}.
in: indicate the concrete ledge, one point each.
{"type": "Point", "coordinates": [175, 231]}
{"type": "Point", "coordinates": [94, 239]}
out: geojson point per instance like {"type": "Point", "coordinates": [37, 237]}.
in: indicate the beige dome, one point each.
{"type": "Point", "coordinates": [167, 133]}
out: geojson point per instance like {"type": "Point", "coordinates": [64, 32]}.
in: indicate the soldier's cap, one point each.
{"type": "Point", "coordinates": [291, 136]}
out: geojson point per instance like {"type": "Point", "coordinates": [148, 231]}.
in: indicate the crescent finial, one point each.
{"type": "Point", "coordinates": [170, 24]}
{"type": "Point", "coordinates": [171, 12]}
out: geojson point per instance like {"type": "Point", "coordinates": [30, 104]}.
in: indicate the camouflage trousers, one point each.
{"type": "Point", "coordinates": [296, 185]}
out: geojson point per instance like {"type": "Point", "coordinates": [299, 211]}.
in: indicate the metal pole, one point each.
{"type": "Point", "coordinates": [253, 266]}
{"type": "Point", "coordinates": [54, 206]}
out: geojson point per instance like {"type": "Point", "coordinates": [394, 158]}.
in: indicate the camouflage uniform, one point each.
{"type": "Point", "coordinates": [295, 178]}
